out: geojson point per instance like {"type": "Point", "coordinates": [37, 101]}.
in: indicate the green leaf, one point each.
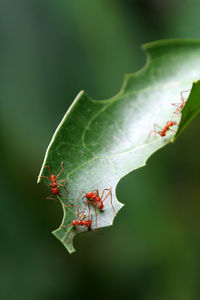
{"type": "Point", "coordinates": [99, 142]}
{"type": "Point", "coordinates": [191, 109]}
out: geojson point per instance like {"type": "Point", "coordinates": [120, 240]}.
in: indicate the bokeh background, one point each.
{"type": "Point", "coordinates": [49, 51]}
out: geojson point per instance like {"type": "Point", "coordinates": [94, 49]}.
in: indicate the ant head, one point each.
{"type": "Point", "coordinates": [84, 195]}
{"type": "Point", "coordinates": [53, 177]}
{"type": "Point", "coordinates": [74, 222]}
{"type": "Point", "coordinates": [89, 195]}
{"type": "Point", "coordinates": [100, 205]}
{"type": "Point", "coordinates": [162, 133]}
{"type": "Point", "coordinates": [55, 190]}
{"type": "Point", "coordinates": [89, 223]}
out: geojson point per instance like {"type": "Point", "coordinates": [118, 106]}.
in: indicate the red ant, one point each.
{"type": "Point", "coordinates": [54, 183]}
{"type": "Point", "coordinates": [164, 130]}
{"type": "Point", "coordinates": [181, 104]}
{"type": "Point", "coordinates": [95, 199]}
{"type": "Point", "coordinates": [79, 222]}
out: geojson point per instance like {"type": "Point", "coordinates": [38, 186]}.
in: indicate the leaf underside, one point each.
{"type": "Point", "coordinates": [99, 142]}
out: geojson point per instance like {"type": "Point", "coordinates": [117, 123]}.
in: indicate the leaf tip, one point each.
{"type": "Point", "coordinates": [69, 245]}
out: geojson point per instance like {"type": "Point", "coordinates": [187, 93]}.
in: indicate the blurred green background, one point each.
{"type": "Point", "coordinates": [49, 51]}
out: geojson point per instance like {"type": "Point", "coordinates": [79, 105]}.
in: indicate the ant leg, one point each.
{"type": "Point", "coordinates": [65, 226]}
{"type": "Point", "coordinates": [183, 101]}
{"type": "Point", "coordinates": [110, 189]}
{"type": "Point", "coordinates": [158, 126]}
{"type": "Point", "coordinates": [104, 191]}
{"type": "Point", "coordinates": [96, 229]}
{"type": "Point", "coordinates": [79, 206]}
{"type": "Point", "coordinates": [95, 209]}
{"type": "Point", "coordinates": [62, 181]}
{"type": "Point", "coordinates": [112, 203]}
{"type": "Point", "coordinates": [178, 104]}
{"type": "Point", "coordinates": [94, 203]}
{"type": "Point", "coordinates": [172, 130]}
{"type": "Point", "coordinates": [102, 194]}
{"type": "Point", "coordinates": [154, 130]}
{"type": "Point", "coordinates": [70, 236]}
{"type": "Point", "coordinates": [110, 193]}
{"type": "Point", "coordinates": [62, 168]}
{"type": "Point", "coordinates": [83, 215]}
{"type": "Point", "coordinates": [150, 134]}
{"type": "Point", "coordinates": [62, 185]}
{"type": "Point", "coordinates": [48, 169]}
{"type": "Point", "coordinates": [97, 192]}
{"type": "Point", "coordinates": [78, 212]}
{"type": "Point", "coordinates": [89, 213]}
{"type": "Point", "coordinates": [182, 98]}
{"type": "Point", "coordinates": [85, 204]}
{"type": "Point", "coordinates": [44, 177]}
{"type": "Point", "coordinates": [177, 112]}
{"type": "Point", "coordinates": [175, 123]}
{"type": "Point", "coordinates": [82, 199]}
{"type": "Point", "coordinates": [50, 198]}
{"type": "Point", "coordinates": [66, 191]}
{"type": "Point", "coordinates": [81, 194]}
{"type": "Point", "coordinates": [88, 210]}
{"type": "Point", "coordinates": [72, 205]}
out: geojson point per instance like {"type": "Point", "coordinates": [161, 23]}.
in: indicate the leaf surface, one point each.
{"type": "Point", "coordinates": [99, 142]}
